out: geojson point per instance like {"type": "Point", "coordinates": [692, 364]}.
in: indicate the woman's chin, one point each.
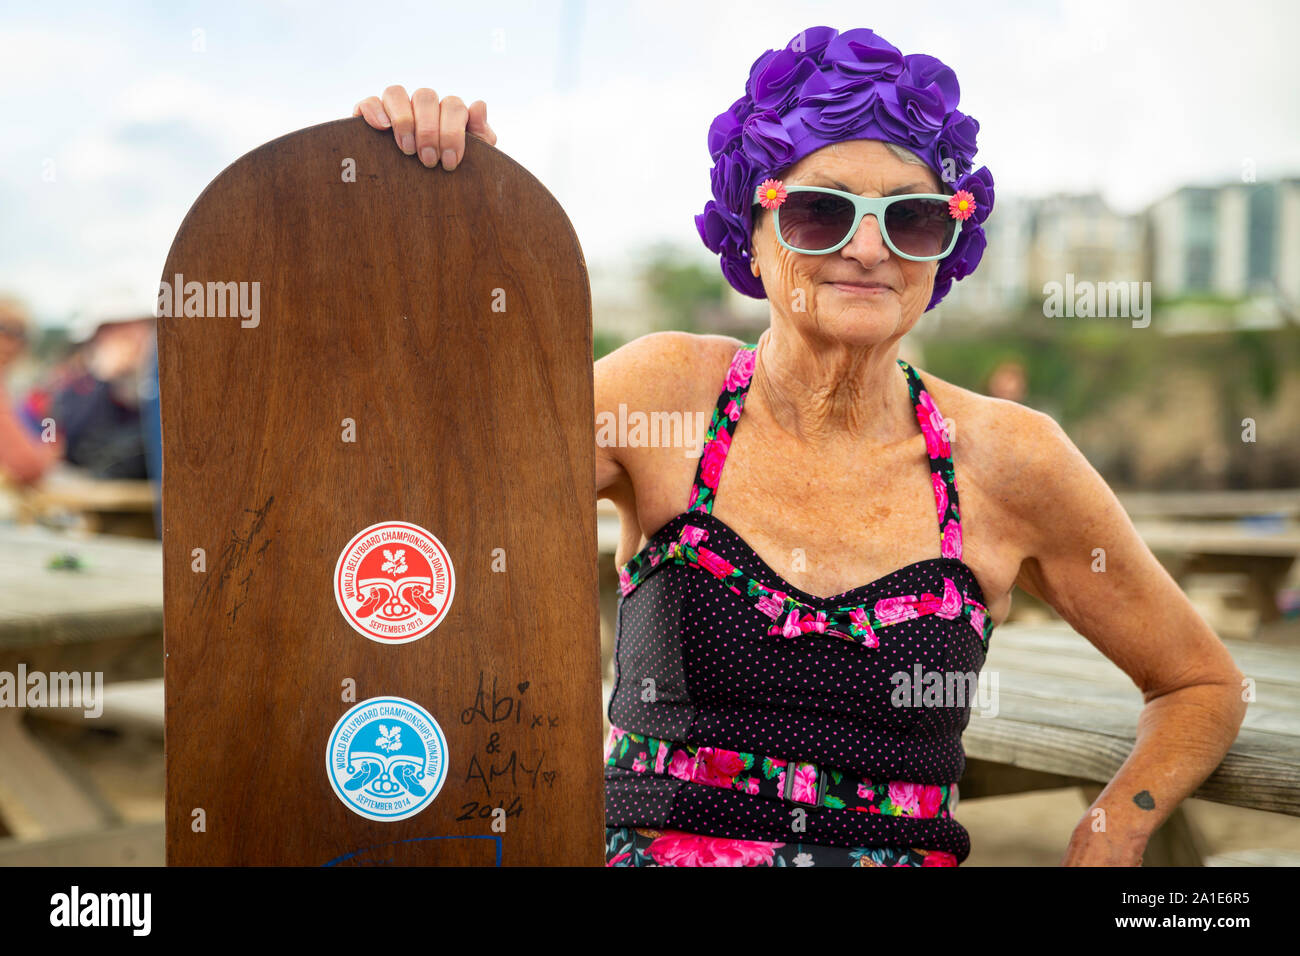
{"type": "Point", "coordinates": [857, 327]}
{"type": "Point", "coordinates": [872, 313]}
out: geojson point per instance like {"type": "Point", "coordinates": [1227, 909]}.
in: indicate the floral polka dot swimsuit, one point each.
{"type": "Point", "coordinates": [753, 723]}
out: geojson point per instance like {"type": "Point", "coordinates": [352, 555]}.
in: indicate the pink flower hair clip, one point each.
{"type": "Point", "coordinates": [771, 193]}
{"type": "Point", "coordinates": [961, 205]}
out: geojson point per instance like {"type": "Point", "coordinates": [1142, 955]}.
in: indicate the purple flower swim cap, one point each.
{"type": "Point", "coordinates": [827, 87]}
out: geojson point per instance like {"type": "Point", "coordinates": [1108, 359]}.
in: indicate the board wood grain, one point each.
{"type": "Point", "coordinates": [447, 316]}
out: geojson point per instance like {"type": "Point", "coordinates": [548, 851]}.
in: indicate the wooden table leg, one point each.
{"type": "Point", "coordinates": [37, 796]}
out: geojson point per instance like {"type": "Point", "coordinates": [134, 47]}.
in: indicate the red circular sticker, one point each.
{"type": "Point", "coordinates": [394, 582]}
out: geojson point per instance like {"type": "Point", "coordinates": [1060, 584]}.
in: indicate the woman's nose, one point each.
{"type": "Point", "coordinates": [867, 245]}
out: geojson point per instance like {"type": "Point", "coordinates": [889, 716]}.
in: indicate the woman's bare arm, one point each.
{"type": "Point", "coordinates": [656, 373]}
{"type": "Point", "coordinates": [609, 374]}
{"type": "Point", "coordinates": [1086, 560]}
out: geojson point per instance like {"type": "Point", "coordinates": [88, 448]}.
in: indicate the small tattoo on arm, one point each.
{"type": "Point", "coordinates": [1145, 801]}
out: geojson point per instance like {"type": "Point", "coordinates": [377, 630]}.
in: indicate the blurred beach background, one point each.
{"type": "Point", "coordinates": [1153, 149]}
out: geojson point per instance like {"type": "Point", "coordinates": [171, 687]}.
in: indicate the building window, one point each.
{"type": "Point", "coordinates": [1261, 233]}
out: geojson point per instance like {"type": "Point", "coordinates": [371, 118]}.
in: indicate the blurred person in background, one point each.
{"type": "Point", "coordinates": [24, 457]}
{"type": "Point", "coordinates": [97, 403]}
{"type": "Point", "coordinates": [69, 367]}
{"type": "Point", "coordinates": [151, 423]}
{"type": "Point", "coordinates": [1008, 381]}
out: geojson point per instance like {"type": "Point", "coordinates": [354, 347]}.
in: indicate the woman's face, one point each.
{"type": "Point", "coordinates": [804, 289]}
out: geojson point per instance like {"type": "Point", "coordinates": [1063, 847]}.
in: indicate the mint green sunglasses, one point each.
{"type": "Point", "coordinates": [816, 220]}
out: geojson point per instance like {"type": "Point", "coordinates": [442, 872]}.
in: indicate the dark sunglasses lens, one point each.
{"type": "Point", "coordinates": [814, 221]}
{"type": "Point", "coordinates": [920, 227]}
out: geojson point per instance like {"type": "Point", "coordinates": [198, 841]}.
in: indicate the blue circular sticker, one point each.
{"type": "Point", "coordinates": [387, 758]}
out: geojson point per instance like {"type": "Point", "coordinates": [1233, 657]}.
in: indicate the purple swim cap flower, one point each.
{"type": "Point", "coordinates": [827, 87]}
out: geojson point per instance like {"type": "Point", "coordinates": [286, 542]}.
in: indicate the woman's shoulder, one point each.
{"type": "Point", "coordinates": [667, 369]}
{"type": "Point", "coordinates": [994, 435]}
{"type": "Point", "coordinates": [675, 347]}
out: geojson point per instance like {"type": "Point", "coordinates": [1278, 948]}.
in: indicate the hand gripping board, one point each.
{"type": "Point", "coordinates": [400, 347]}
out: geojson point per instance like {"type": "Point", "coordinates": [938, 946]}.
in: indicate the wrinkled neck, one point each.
{"type": "Point", "coordinates": [828, 393]}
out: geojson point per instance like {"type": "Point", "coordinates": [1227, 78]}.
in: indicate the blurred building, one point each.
{"type": "Point", "coordinates": [1232, 241]}
{"type": "Point", "coordinates": [1237, 241]}
{"type": "Point", "coordinates": [1032, 242]}
{"type": "Point", "coordinates": [1000, 286]}
{"type": "Point", "coordinates": [1082, 235]}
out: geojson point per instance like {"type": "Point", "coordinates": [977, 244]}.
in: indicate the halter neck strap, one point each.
{"type": "Point", "coordinates": [731, 402]}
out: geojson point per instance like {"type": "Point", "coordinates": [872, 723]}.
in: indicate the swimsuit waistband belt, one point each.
{"type": "Point", "coordinates": [807, 785]}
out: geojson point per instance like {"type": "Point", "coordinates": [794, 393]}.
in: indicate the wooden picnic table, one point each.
{"type": "Point", "coordinates": [1282, 502]}
{"type": "Point", "coordinates": [105, 616]}
{"type": "Point", "coordinates": [116, 594]}
{"type": "Point", "coordinates": [1253, 555]}
{"type": "Point", "coordinates": [1067, 716]}
{"type": "Point", "coordinates": [103, 506]}
{"type": "Point", "coordinates": [1247, 540]}
{"type": "Point", "coordinates": [1221, 538]}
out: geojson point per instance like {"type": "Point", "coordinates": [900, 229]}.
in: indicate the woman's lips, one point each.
{"type": "Point", "coordinates": [852, 289]}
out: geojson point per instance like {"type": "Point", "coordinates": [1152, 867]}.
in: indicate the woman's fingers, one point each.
{"type": "Point", "coordinates": [398, 106]}
{"type": "Point", "coordinates": [427, 109]}
{"type": "Point", "coordinates": [478, 124]}
{"type": "Point", "coordinates": [373, 111]}
{"type": "Point", "coordinates": [451, 127]}
{"type": "Point", "coordinates": [425, 126]}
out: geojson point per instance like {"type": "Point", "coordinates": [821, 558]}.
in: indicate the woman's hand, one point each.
{"type": "Point", "coordinates": [1090, 848]}
{"type": "Point", "coordinates": [424, 125]}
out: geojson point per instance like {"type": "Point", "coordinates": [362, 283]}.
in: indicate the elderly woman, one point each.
{"type": "Point", "coordinates": [777, 590]}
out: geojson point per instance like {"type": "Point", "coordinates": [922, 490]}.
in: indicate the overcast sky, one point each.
{"type": "Point", "coordinates": [114, 122]}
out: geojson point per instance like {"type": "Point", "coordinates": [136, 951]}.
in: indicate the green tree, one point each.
{"type": "Point", "coordinates": [681, 288]}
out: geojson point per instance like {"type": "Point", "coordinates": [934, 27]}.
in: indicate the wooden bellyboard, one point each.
{"type": "Point", "coordinates": [417, 349]}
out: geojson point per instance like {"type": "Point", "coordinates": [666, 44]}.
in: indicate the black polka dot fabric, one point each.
{"type": "Point", "coordinates": [706, 653]}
